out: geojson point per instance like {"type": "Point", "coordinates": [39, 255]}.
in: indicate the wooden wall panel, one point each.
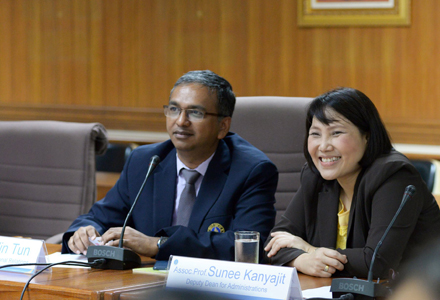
{"type": "Point", "coordinates": [115, 61]}
{"type": "Point", "coordinates": [6, 53]}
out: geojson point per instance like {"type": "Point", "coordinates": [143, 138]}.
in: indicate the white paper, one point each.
{"type": "Point", "coordinates": [321, 292]}
{"type": "Point", "coordinates": [58, 257]}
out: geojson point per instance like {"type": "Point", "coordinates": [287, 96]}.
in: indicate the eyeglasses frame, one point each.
{"type": "Point", "coordinates": [165, 107]}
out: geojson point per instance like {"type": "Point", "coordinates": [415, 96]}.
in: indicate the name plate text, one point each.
{"type": "Point", "coordinates": [21, 251]}
{"type": "Point", "coordinates": [233, 279]}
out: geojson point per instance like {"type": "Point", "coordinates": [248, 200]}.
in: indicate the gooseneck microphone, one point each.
{"type": "Point", "coordinates": [154, 161]}
{"type": "Point", "coordinates": [368, 289]}
{"type": "Point", "coordinates": [119, 258]}
{"type": "Point", "coordinates": [409, 192]}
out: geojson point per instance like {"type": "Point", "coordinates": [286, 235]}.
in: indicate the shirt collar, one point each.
{"type": "Point", "coordinates": [200, 168]}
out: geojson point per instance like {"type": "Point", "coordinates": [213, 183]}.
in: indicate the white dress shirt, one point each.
{"type": "Point", "coordinates": [181, 181]}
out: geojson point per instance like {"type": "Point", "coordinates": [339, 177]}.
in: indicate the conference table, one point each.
{"type": "Point", "coordinates": [86, 283]}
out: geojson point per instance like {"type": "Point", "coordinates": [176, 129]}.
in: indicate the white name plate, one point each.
{"type": "Point", "coordinates": [21, 251]}
{"type": "Point", "coordinates": [233, 279]}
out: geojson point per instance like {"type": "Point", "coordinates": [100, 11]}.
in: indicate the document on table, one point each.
{"type": "Point", "coordinates": [150, 270]}
{"type": "Point", "coordinates": [58, 257]}
{"type": "Point", "coordinates": [321, 292]}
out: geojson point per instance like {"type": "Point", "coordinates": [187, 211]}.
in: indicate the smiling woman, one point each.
{"type": "Point", "coordinates": [351, 187]}
{"type": "Point", "coordinates": [336, 149]}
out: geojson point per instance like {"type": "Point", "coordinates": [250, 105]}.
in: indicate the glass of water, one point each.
{"type": "Point", "coordinates": [247, 245]}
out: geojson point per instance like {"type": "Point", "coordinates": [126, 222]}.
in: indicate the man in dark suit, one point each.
{"type": "Point", "coordinates": [234, 191]}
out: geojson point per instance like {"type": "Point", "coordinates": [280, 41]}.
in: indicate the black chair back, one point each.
{"type": "Point", "coordinates": [427, 170]}
{"type": "Point", "coordinates": [114, 158]}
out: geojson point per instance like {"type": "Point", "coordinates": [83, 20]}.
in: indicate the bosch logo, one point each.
{"type": "Point", "coordinates": [352, 287]}
{"type": "Point", "coordinates": [104, 253]}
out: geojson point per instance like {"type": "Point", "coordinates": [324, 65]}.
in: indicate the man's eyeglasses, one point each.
{"type": "Point", "coordinates": [194, 115]}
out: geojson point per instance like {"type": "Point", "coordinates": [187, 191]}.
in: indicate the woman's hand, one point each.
{"type": "Point", "coordinates": [323, 262]}
{"type": "Point", "coordinates": [283, 239]}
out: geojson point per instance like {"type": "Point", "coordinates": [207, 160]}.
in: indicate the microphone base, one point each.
{"type": "Point", "coordinates": [116, 258]}
{"type": "Point", "coordinates": [361, 289]}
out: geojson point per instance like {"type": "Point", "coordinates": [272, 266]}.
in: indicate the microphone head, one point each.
{"type": "Point", "coordinates": [410, 190]}
{"type": "Point", "coordinates": [155, 159]}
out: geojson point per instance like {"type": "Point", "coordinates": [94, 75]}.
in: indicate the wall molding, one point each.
{"type": "Point", "coordinates": [144, 119]}
{"type": "Point", "coordinates": [414, 131]}
{"type": "Point", "coordinates": [422, 132]}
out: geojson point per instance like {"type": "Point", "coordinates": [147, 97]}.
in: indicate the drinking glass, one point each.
{"type": "Point", "coordinates": [247, 245]}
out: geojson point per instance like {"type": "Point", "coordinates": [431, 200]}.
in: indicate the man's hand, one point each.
{"type": "Point", "coordinates": [138, 242]}
{"type": "Point", "coordinates": [323, 262]}
{"type": "Point", "coordinates": [79, 241]}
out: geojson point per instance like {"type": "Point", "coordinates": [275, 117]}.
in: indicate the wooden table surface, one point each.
{"type": "Point", "coordinates": [77, 283]}
{"type": "Point", "coordinates": [86, 283]}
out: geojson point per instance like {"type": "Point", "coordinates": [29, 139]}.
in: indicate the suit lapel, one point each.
{"type": "Point", "coordinates": [212, 186]}
{"type": "Point", "coordinates": [328, 216]}
{"type": "Point", "coordinates": [164, 191]}
{"type": "Point", "coordinates": [350, 229]}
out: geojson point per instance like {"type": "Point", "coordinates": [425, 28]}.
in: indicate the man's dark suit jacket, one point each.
{"type": "Point", "coordinates": [312, 215]}
{"type": "Point", "coordinates": [237, 193]}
